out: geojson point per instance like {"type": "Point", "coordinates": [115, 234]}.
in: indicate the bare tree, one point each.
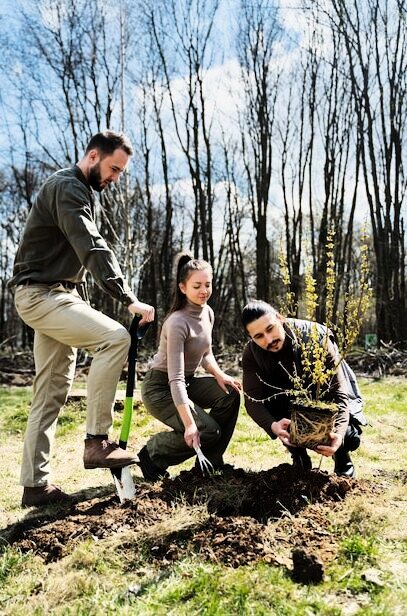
{"type": "Point", "coordinates": [375, 38]}
{"type": "Point", "coordinates": [233, 255]}
{"type": "Point", "coordinates": [297, 151]}
{"type": "Point", "coordinates": [259, 31]}
{"type": "Point", "coordinates": [161, 238]}
{"type": "Point", "coordinates": [72, 64]}
{"type": "Point", "coordinates": [338, 206]}
{"type": "Point", "coordinates": [182, 36]}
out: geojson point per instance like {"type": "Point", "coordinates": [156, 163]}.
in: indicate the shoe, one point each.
{"type": "Point", "coordinates": [300, 458]}
{"type": "Point", "coordinates": [39, 496]}
{"type": "Point", "coordinates": [102, 453]}
{"type": "Point", "coordinates": [343, 464]}
{"type": "Point", "coordinates": [151, 472]}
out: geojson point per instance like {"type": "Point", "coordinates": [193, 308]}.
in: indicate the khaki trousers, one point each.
{"type": "Point", "coordinates": [63, 322]}
{"type": "Point", "coordinates": [215, 428]}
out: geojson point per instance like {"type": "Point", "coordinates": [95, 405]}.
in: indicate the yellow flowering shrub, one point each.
{"type": "Point", "coordinates": [314, 382]}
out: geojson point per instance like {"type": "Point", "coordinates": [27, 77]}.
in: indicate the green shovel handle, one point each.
{"type": "Point", "coordinates": [135, 335]}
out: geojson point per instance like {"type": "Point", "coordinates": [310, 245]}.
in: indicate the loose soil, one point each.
{"type": "Point", "coordinates": [281, 516]}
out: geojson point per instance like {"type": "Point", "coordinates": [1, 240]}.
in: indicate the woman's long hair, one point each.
{"type": "Point", "coordinates": [185, 265]}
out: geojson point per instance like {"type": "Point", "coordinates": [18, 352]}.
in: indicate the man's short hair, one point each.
{"type": "Point", "coordinates": [108, 141]}
{"type": "Point", "coordinates": [256, 309]}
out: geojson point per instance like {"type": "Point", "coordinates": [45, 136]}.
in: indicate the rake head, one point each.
{"type": "Point", "coordinates": [205, 464]}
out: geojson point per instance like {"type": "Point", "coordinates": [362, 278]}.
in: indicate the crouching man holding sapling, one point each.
{"type": "Point", "coordinates": [279, 366]}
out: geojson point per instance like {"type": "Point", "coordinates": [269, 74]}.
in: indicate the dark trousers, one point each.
{"type": "Point", "coordinates": [215, 427]}
{"type": "Point", "coordinates": [352, 438]}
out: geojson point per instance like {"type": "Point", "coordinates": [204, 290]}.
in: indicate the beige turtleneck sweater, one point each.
{"type": "Point", "coordinates": [185, 341]}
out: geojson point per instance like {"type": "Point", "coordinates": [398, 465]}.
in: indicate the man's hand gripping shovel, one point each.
{"type": "Point", "coordinates": [122, 476]}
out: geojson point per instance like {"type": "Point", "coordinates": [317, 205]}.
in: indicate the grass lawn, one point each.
{"type": "Point", "coordinates": [115, 575]}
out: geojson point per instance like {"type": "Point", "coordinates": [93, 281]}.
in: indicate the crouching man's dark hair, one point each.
{"type": "Point", "coordinates": [256, 309]}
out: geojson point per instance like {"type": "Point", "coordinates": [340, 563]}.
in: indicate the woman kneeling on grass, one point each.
{"type": "Point", "coordinates": [170, 385]}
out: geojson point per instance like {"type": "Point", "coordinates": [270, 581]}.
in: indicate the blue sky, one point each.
{"type": "Point", "coordinates": [223, 85]}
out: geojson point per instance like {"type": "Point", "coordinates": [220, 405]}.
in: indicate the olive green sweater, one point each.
{"type": "Point", "coordinates": [61, 241]}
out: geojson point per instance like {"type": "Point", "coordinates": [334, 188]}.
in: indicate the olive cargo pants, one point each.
{"type": "Point", "coordinates": [216, 427]}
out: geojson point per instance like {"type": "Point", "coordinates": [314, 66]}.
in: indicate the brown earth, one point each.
{"type": "Point", "coordinates": [280, 516]}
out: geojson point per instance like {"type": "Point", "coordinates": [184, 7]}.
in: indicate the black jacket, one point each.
{"type": "Point", "coordinates": [267, 382]}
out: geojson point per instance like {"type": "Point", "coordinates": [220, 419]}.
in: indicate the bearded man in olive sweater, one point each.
{"type": "Point", "coordinates": [60, 243]}
{"type": "Point", "coordinates": [270, 357]}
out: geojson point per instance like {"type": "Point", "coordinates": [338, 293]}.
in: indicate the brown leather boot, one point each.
{"type": "Point", "coordinates": [102, 453]}
{"type": "Point", "coordinates": [39, 496]}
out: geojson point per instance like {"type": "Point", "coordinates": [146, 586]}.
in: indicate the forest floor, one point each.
{"type": "Point", "coordinates": [261, 538]}
{"type": "Point", "coordinates": [234, 530]}
{"type": "Point", "coordinates": [17, 367]}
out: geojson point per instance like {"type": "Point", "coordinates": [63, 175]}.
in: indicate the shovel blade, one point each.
{"type": "Point", "coordinates": [124, 484]}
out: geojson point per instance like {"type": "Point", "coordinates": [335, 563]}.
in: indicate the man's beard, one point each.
{"type": "Point", "coordinates": [95, 179]}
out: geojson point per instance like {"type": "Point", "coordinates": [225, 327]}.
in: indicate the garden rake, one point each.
{"type": "Point", "coordinates": [205, 464]}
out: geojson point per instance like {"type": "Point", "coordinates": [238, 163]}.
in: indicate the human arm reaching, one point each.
{"type": "Point", "coordinates": [191, 432]}
{"type": "Point", "coordinates": [224, 380]}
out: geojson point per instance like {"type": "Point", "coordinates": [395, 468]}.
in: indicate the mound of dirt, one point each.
{"type": "Point", "coordinates": [261, 495]}
{"type": "Point", "coordinates": [250, 516]}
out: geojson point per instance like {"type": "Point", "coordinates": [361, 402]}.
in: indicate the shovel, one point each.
{"type": "Point", "coordinates": [122, 476]}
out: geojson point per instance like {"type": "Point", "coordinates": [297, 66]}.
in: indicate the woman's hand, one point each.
{"type": "Point", "coordinates": [329, 450]}
{"type": "Point", "coordinates": [223, 380]}
{"type": "Point", "coordinates": [191, 436]}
